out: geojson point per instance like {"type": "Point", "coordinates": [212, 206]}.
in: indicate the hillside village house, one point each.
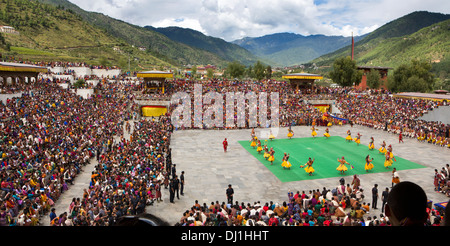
{"type": "Point", "coordinates": [8, 29]}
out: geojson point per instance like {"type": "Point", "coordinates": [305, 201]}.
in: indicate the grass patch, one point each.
{"type": "Point", "coordinates": [326, 152]}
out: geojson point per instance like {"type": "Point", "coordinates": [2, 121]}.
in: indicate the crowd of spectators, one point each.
{"type": "Point", "coordinates": [343, 205]}
{"type": "Point", "coordinates": [395, 115]}
{"type": "Point", "coordinates": [49, 134]}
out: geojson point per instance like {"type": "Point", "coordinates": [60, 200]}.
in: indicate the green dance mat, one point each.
{"type": "Point", "coordinates": [326, 152]}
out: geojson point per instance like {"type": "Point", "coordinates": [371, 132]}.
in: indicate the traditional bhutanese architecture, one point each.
{"type": "Point", "coordinates": [366, 69]}
{"type": "Point", "coordinates": [19, 72]}
{"type": "Point", "coordinates": [302, 81]}
{"type": "Point", "coordinates": [426, 96]}
{"type": "Point", "coordinates": [153, 83]}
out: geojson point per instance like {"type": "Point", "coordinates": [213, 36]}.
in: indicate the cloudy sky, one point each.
{"type": "Point", "coordinates": [235, 19]}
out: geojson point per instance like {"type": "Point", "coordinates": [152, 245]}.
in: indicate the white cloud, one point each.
{"type": "Point", "coordinates": [233, 19]}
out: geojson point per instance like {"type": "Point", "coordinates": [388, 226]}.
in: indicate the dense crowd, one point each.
{"type": "Point", "coordinates": [395, 115]}
{"type": "Point", "coordinates": [49, 134]}
{"type": "Point", "coordinates": [343, 205]}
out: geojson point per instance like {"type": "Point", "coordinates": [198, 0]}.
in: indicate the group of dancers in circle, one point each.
{"type": "Point", "coordinates": [308, 166]}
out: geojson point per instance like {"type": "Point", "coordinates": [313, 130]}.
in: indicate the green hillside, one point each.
{"type": "Point", "coordinates": [156, 43]}
{"type": "Point", "coordinates": [419, 35]}
{"type": "Point", "coordinates": [49, 33]}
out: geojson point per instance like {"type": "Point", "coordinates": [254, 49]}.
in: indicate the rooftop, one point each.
{"type": "Point", "coordinates": [21, 67]}
{"type": "Point", "coordinates": [302, 76]}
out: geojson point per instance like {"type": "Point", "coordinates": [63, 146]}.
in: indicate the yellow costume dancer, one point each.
{"type": "Point", "coordinates": [309, 169]}
{"type": "Point", "coordinates": [391, 155]}
{"type": "Point", "coordinates": [358, 138]}
{"type": "Point", "coordinates": [253, 144]}
{"type": "Point", "coordinates": [290, 133]}
{"type": "Point", "coordinates": [271, 157]}
{"type": "Point", "coordinates": [313, 133]}
{"type": "Point", "coordinates": [266, 152]}
{"type": "Point", "coordinates": [369, 164]}
{"type": "Point", "coordinates": [271, 136]}
{"type": "Point", "coordinates": [342, 168]}
{"type": "Point", "coordinates": [327, 133]}
{"type": "Point", "coordinates": [349, 136]}
{"type": "Point", "coordinates": [286, 163]}
{"type": "Point", "coordinates": [371, 144]}
{"type": "Point", "coordinates": [382, 149]}
{"type": "Point", "coordinates": [259, 149]}
{"type": "Point", "coordinates": [388, 162]}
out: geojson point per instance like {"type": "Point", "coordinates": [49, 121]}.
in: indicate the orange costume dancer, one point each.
{"type": "Point", "coordinates": [327, 133]}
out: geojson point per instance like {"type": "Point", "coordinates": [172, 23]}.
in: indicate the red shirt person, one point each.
{"type": "Point", "coordinates": [225, 145]}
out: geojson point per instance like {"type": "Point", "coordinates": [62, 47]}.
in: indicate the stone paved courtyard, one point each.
{"type": "Point", "coordinates": [208, 170]}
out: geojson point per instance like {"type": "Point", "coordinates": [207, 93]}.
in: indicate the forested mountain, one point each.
{"type": "Point", "coordinates": [286, 49]}
{"type": "Point", "coordinates": [226, 50]}
{"type": "Point", "coordinates": [420, 35]}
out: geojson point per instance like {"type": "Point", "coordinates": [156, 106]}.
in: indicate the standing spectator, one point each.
{"type": "Point", "coordinates": [182, 183]}
{"type": "Point", "coordinates": [230, 193]}
{"type": "Point", "coordinates": [384, 196]}
{"type": "Point", "coordinates": [437, 180]}
{"type": "Point", "coordinates": [374, 196]}
{"type": "Point", "coordinates": [176, 186]}
{"type": "Point", "coordinates": [172, 190]}
{"type": "Point", "coordinates": [395, 177]}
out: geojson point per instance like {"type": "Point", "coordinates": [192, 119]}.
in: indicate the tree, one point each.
{"type": "Point", "coordinates": [249, 72]}
{"type": "Point", "coordinates": [373, 79]}
{"type": "Point", "coordinates": [235, 69]}
{"type": "Point", "coordinates": [193, 71]}
{"type": "Point", "coordinates": [259, 70]}
{"type": "Point", "coordinates": [210, 73]}
{"type": "Point", "coordinates": [345, 73]}
{"type": "Point", "coordinates": [268, 72]}
{"type": "Point", "coordinates": [412, 77]}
